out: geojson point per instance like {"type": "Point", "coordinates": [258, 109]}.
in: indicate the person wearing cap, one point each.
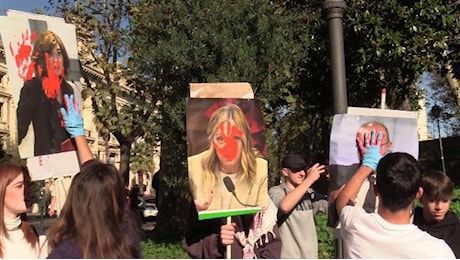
{"type": "Point", "coordinates": [295, 208]}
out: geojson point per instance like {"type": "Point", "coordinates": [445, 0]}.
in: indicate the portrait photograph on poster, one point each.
{"type": "Point", "coordinates": [399, 134]}
{"type": "Point", "coordinates": [42, 60]}
{"type": "Point", "coordinates": [225, 138]}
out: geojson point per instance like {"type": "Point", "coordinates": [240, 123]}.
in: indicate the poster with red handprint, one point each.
{"type": "Point", "coordinates": [227, 165]}
{"type": "Point", "coordinates": [42, 60]}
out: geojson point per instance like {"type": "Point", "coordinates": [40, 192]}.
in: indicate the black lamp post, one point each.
{"type": "Point", "coordinates": [436, 113]}
{"type": "Point", "coordinates": [335, 10]}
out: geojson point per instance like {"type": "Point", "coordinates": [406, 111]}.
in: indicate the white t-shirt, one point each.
{"type": "Point", "coordinates": [368, 235]}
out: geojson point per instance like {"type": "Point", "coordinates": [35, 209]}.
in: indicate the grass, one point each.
{"type": "Point", "coordinates": [163, 250]}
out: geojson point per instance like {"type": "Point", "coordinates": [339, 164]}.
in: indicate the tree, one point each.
{"type": "Point", "coordinates": [281, 47]}
{"type": "Point", "coordinates": [388, 44]}
{"type": "Point", "coordinates": [179, 42]}
{"type": "Point", "coordinates": [121, 105]}
{"type": "Point", "coordinates": [441, 94]}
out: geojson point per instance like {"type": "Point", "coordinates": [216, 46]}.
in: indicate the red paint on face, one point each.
{"type": "Point", "coordinates": [227, 144]}
{"type": "Point", "coordinates": [52, 83]}
{"type": "Point", "coordinates": [23, 55]}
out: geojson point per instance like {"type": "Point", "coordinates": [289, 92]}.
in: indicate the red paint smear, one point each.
{"type": "Point", "coordinates": [51, 83]}
{"type": "Point", "coordinates": [22, 57]}
{"type": "Point", "coordinates": [230, 147]}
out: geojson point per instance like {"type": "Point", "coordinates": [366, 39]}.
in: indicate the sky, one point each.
{"type": "Point", "coordinates": [22, 5]}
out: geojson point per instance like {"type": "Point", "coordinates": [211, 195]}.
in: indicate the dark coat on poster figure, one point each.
{"type": "Point", "coordinates": [34, 107]}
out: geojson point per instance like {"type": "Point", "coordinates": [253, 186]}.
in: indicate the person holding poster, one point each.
{"type": "Point", "coordinates": [41, 97]}
{"type": "Point", "coordinates": [18, 237]}
{"type": "Point", "coordinates": [230, 158]}
{"type": "Point", "coordinates": [399, 134]}
{"type": "Point", "coordinates": [96, 221]}
{"type": "Point", "coordinates": [389, 232]}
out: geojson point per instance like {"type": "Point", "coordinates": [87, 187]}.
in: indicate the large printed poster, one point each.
{"type": "Point", "coordinates": [226, 148]}
{"type": "Point", "coordinates": [42, 60]}
{"type": "Point", "coordinates": [399, 130]}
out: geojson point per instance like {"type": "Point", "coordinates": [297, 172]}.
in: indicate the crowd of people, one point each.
{"type": "Point", "coordinates": [96, 222]}
{"type": "Point", "coordinates": [372, 208]}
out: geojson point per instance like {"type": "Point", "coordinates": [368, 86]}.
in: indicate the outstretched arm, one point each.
{"type": "Point", "coordinates": [292, 198]}
{"type": "Point", "coordinates": [73, 123]}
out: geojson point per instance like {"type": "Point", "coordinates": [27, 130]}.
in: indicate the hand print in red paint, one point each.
{"type": "Point", "coordinates": [227, 140]}
{"type": "Point", "coordinates": [51, 83]}
{"type": "Point", "coordinates": [22, 54]}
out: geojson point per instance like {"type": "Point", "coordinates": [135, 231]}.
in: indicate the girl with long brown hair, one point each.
{"type": "Point", "coordinates": [18, 238]}
{"type": "Point", "coordinates": [95, 221]}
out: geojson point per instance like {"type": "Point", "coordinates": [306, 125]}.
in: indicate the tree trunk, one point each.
{"type": "Point", "coordinates": [125, 151]}
{"type": "Point", "coordinates": [453, 84]}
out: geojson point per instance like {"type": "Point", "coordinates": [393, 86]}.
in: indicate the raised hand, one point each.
{"type": "Point", "coordinates": [371, 149]}
{"type": "Point", "coordinates": [73, 122]}
{"type": "Point", "coordinates": [315, 171]}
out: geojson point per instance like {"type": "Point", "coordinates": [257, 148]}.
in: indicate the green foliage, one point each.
{"type": "Point", "coordinates": [455, 203]}
{"type": "Point", "coordinates": [281, 47]}
{"type": "Point", "coordinates": [162, 250]}
{"type": "Point", "coordinates": [325, 237]}
{"type": "Point", "coordinates": [120, 103]}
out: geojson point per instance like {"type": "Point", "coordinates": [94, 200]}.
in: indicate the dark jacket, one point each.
{"type": "Point", "coordinates": [202, 238]}
{"type": "Point", "coordinates": [44, 114]}
{"type": "Point", "coordinates": [447, 229]}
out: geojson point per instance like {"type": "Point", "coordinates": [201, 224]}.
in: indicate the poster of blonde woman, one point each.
{"type": "Point", "coordinates": [42, 60]}
{"type": "Point", "coordinates": [231, 214]}
{"type": "Point", "coordinates": [222, 142]}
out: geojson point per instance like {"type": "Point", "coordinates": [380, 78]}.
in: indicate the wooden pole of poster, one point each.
{"type": "Point", "coordinates": [229, 247]}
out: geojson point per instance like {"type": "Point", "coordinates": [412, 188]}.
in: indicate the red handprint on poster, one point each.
{"type": "Point", "coordinates": [22, 53]}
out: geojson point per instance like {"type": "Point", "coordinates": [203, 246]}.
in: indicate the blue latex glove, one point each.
{"type": "Point", "coordinates": [372, 155]}
{"type": "Point", "coordinates": [73, 122]}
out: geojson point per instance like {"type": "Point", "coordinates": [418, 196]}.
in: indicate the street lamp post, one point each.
{"type": "Point", "coordinates": [335, 10]}
{"type": "Point", "coordinates": [436, 112]}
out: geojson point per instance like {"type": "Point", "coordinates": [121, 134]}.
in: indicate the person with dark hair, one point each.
{"type": "Point", "coordinates": [294, 201]}
{"type": "Point", "coordinates": [95, 221]}
{"type": "Point", "coordinates": [389, 232]}
{"type": "Point", "coordinates": [18, 237]}
{"type": "Point", "coordinates": [435, 217]}
{"type": "Point", "coordinates": [43, 95]}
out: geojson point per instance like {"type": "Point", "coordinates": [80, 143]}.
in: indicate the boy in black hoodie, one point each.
{"type": "Point", "coordinates": [435, 217]}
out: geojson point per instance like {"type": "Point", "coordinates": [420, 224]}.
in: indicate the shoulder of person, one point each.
{"type": "Point", "coordinates": [66, 88]}
{"type": "Point", "coordinates": [278, 187]}
{"type": "Point", "coordinates": [197, 157]}
{"type": "Point", "coordinates": [32, 85]}
{"type": "Point", "coordinates": [262, 164]}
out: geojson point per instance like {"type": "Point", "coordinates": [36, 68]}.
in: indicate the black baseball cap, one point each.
{"type": "Point", "coordinates": [294, 162]}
